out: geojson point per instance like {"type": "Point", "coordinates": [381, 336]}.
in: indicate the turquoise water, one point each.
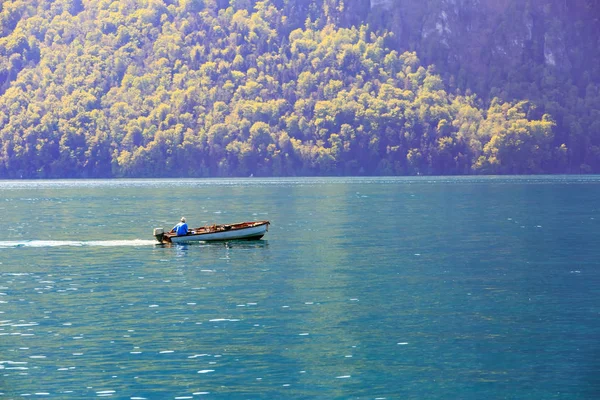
{"type": "Point", "coordinates": [371, 288]}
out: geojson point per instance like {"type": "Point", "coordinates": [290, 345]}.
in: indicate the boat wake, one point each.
{"type": "Point", "coordinates": [76, 243]}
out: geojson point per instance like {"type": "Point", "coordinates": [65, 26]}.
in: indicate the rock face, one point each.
{"type": "Point", "coordinates": [381, 3]}
{"type": "Point", "coordinates": [493, 38]}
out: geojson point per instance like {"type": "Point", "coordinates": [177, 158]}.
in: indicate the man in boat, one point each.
{"type": "Point", "coordinates": [181, 229]}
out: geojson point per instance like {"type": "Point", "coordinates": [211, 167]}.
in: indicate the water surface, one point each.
{"type": "Point", "coordinates": [395, 288]}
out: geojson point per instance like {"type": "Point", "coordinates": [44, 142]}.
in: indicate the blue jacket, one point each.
{"type": "Point", "coordinates": [181, 229]}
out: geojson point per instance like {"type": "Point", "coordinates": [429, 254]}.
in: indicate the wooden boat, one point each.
{"type": "Point", "coordinates": [240, 231]}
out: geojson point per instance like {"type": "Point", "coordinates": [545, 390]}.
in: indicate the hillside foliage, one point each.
{"type": "Point", "coordinates": [203, 88]}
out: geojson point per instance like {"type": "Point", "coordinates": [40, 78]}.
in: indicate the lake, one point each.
{"type": "Point", "coordinates": [370, 288]}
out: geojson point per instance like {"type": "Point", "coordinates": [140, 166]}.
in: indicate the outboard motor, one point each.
{"type": "Point", "coordinates": [159, 233]}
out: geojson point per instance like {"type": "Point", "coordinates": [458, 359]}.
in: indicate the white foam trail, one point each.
{"type": "Point", "coordinates": [76, 243]}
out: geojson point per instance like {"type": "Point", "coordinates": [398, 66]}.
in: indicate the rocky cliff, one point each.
{"type": "Point", "coordinates": [479, 44]}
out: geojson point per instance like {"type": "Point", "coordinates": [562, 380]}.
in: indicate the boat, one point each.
{"type": "Point", "coordinates": [252, 230]}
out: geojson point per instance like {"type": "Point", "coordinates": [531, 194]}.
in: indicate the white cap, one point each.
{"type": "Point", "coordinates": [182, 219]}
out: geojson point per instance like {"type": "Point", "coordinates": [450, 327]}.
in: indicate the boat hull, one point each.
{"type": "Point", "coordinates": [241, 231]}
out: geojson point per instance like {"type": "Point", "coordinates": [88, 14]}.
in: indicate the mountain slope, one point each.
{"type": "Point", "coordinates": [191, 88]}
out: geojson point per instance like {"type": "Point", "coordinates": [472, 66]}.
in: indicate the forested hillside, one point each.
{"type": "Point", "coordinates": [199, 88]}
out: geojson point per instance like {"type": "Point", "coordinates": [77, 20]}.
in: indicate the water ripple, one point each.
{"type": "Point", "coordinates": [76, 243]}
